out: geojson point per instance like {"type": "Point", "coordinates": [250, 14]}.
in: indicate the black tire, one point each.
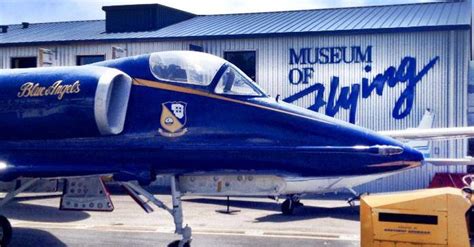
{"type": "Point", "coordinates": [5, 231]}
{"type": "Point", "coordinates": [176, 244]}
{"type": "Point", "coordinates": [287, 207]}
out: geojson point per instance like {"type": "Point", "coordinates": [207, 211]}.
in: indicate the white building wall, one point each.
{"type": "Point", "coordinates": [443, 89]}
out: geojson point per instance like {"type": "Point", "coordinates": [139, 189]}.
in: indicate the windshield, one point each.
{"type": "Point", "coordinates": [234, 82]}
{"type": "Point", "coordinates": [188, 67]}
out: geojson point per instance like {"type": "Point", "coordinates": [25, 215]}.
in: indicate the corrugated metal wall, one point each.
{"type": "Point", "coordinates": [443, 89]}
{"type": "Point", "coordinates": [470, 90]}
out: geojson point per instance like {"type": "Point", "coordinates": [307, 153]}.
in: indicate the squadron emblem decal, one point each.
{"type": "Point", "coordinates": [173, 119]}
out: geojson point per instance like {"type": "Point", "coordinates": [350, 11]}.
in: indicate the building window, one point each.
{"type": "Point", "coordinates": [244, 60]}
{"type": "Point", "coordinates": [23, 62]}
{"type": "Point", "coordinates": [83, 60]}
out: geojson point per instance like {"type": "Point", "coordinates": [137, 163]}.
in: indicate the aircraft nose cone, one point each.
{"type": "Point", "coordinates": [399, 152]}
{"type": "Point", "coordinates": [393, 155]}
{"type": "Point", "coordinates": [411, 154]}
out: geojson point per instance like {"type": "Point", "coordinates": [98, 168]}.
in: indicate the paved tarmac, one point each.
{"type": "Point", "coordinates": [325, 221]}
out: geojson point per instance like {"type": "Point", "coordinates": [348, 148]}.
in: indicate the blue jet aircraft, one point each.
{"type": "Point", "coordinates": [188, 115]}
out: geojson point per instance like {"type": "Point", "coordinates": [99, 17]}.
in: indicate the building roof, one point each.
{"type": "Point", "coordinates": [392, 18]}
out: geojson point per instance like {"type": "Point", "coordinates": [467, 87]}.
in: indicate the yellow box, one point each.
{"type": "Point", "coordinates": [431, 217]}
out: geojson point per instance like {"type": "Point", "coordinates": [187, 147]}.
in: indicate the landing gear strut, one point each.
{"type": "Point", "coordinates": [355, 198]}
{"type": "Point", "coordinates": [177, 211]}
{"type": "Point", "coordinates": [289, 205]}
{"type": "Point", "coordinates": [228, 210]}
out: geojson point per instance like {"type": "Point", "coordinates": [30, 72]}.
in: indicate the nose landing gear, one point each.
{"type": "Point", "coordinates": [289, 205]}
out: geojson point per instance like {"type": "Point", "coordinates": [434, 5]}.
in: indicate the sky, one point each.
{"type": "Point", "coordinates": [17, 11]}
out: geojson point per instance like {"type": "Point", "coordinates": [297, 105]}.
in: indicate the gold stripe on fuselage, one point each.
{"type": "Point", "coordinates": [165, 86]}
{"type": "Point", "coordinates": [408, 164]}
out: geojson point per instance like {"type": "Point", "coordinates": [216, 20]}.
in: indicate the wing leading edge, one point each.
{"type": "Point", "coordinates": [468, 161]}
{"type": "Point", "coordinates": [431, 134]}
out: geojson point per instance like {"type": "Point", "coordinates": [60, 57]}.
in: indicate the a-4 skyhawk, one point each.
{"type": "Point", "coordinates": [189, 115]}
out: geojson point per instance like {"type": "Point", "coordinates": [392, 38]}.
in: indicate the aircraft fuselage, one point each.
{"type": "Point", "coordinates": [216, 133]}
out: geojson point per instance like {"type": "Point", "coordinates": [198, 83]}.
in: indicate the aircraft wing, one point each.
{"type": "Point", "coordinates": [430, 134]}
{"type": "Point", "coordinates": [468, 161]}
{"type": "Point", "coordinates": [425, 132]}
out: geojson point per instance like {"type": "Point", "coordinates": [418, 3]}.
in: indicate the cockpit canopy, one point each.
{"type": "Point", "coordinates": [201, 69]}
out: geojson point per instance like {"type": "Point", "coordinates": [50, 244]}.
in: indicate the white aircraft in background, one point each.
{"type": "Point", "coordinates": [296, 188]}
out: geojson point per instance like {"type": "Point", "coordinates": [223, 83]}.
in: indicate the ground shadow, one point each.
{"type": "Point", "coordinates": [237, 203]}
{"type": "Point", "coordinates": [36, 197]}
{"type": "Point", "coordinates": [40, 213]}
{"type": "Point", "coordinates": [301, 213]}
{"type": "Point", "coordinates": [304, 213]}
{"type": "Point", "coordinates": [34, 237]}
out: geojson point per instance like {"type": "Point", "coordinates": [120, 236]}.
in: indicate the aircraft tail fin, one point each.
{"type": "Point", "coordinates": [427, 120]}
{"type": "Point", "coordinates": [423, 145]}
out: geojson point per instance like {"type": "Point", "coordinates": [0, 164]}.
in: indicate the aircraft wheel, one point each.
{"type": "Point", "coordinates": [177, 242]}
{"type": "Point", "coordinates": [287, 207]}
{"type": "Point", "coordinates": [5, 231]}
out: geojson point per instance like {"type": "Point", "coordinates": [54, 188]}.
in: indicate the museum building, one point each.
{"type": "Point", "coordinates": [379, 67]}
